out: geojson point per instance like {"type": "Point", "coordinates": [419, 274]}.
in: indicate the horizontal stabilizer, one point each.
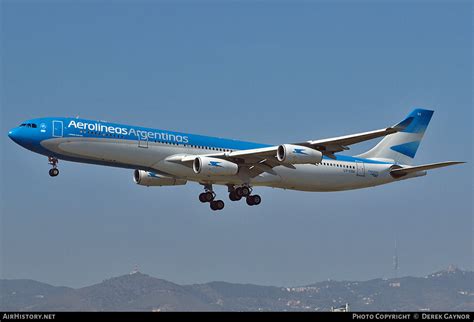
{"type": "Point", "coordinates": [404, 171]}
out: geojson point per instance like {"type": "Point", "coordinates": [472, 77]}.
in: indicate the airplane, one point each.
{"type": "Point", "coordinates": [168, 158]}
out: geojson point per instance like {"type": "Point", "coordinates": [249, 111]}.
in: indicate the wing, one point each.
{"type": "Point", "coordinates": [264, 159]}
{"type": "Point", "coordinates": [255, 160]}
{"type": "Point", "coordinates": [332, 145]}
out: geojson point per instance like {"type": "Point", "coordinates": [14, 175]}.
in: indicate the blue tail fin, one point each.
{"type": "Point", "coordinates": [401, 147]}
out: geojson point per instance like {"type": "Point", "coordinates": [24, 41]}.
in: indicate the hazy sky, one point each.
{"type": "Point", "coordinates": [259, 71]}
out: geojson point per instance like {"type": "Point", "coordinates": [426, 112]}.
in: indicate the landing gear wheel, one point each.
{"type": "Point", "coordinates": [209, 196]}
{"type": "Point", "coordinates": [53, 172]}
{"type": "Point", "coordinates": [250, 200]}
{"type": "Point", "coordinates": [202, 197]}
{"type": "Point", "coordinates": [239, 192]}
{"type": "Point", "coordinates": [206, 196]}
{"type": "Point", "coordinates": [245, 191]}
{"type": "Point", "coordinates": [234, 197]}
{"type": "Point", "coordinates": [256, 199]}
{"type": "Point", "coordinates": [217, 205]}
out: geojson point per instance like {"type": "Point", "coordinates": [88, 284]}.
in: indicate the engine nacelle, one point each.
{"type": "Point", "coordinates": [146, 178]}
{"type": "Point", "coordinates": [296, 154]}
{"type": "Point", "coordinates": [214, 167]}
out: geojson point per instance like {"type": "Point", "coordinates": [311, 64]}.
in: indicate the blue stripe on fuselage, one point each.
{"type": "Point", "coordinates": [106, 130]}
{"type": "Point", "coordinates": [128, 132]}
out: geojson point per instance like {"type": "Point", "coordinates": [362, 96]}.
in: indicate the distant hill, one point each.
{"type": "Point", "coordinates": [451, 289]}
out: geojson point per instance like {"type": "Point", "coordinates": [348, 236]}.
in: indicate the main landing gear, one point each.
{"type": "Point", "coordinates": [253, 200]}
{"type": "Point", "coordinates": [208, 196]}
{"type": "Point", "coordinates": [54, 163]}
{"type": "Point", "coordinates": [235, 194]}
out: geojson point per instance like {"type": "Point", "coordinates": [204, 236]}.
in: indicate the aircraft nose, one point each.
{"type": "Point", "coordinates": [13, 134]}
{"type": "Point", "coordinates": [18, 136]}
{"type": "Point", "coordinates": [25, 137]}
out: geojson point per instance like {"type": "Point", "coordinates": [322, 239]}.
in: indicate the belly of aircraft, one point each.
{"type": "Point", "coordinates": [306, 177]}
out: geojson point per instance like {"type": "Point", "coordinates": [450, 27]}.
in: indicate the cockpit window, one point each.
{"type": "Point", "coordinates": [33, 125]}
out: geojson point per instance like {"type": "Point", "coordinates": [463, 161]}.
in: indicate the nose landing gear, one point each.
{"type": "Point", "coordinates": [53, 172]}
{"type": "Point", "coordinates": [54, 163]}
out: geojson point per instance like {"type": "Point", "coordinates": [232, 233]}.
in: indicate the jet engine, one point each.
{"type": "Point", "coordinates": [214, 167]}
{"type": "Point", "coordinates": [147, 178]}
{"type": "Point", "coordinates": [296, 154]}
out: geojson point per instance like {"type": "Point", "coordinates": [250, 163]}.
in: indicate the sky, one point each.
{"type": "Point", "coordinates": [269, 72]}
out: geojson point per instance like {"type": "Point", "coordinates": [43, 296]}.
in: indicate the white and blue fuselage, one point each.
{"type": "Point", "coordinates": [118, 145]}
{"type": "Point", "coordinates": [164, 158]}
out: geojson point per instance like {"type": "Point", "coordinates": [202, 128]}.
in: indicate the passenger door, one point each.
{"type": "Point", "coordinates": [360, 169]}
{"type": "Point", "coordinates": [58, 129]}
